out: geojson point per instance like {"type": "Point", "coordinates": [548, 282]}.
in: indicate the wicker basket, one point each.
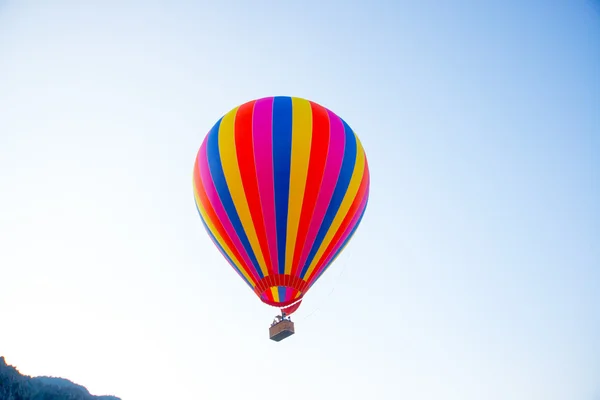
{"type": "Point", "coordinates": [281, 330]}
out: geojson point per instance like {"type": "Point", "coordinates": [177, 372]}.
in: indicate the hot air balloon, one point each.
{"type": "Point", "coordinates": [281, 185]}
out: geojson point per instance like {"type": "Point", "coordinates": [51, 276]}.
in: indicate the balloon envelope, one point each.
{"type": "Point", "coordinates": [281, 185]}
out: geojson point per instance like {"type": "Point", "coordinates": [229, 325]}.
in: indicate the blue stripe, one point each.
{"type": "Point", "coordinates": [343, 246]}
{"type": "Point", "coordinates": [218, 176]}
{"type": "Point", "coordinates": [281, 290]}
{"type": "Point", "coordinates": [340, 190]}
{"type": "Point", "coordinates": [216, 242]}
{"type": "Point", "coordinates": [282, 158]}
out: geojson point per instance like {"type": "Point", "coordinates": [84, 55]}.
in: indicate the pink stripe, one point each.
{"type": "Point", "coordinates": [262, 130]}
{"type": "Point", "coordinates": [333, 165]}
{"type": "Point", "coordinates": [215, 201]}
{"type": "Point", "coordinates": [343, 238]}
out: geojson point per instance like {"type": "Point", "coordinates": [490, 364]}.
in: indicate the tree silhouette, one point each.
{"type": "Point", "coordinates": [15, 386]}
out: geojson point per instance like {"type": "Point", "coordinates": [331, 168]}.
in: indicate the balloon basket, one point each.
{"type": "Point", "coordinates": [281, 330]}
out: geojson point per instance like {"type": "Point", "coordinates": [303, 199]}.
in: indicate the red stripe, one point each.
{"type": "Point", "coordinates": [354, 208]}
{"type": "Point", "coordinates": [269, 295]}
{"type": "Point", "coordinates": [245, 154]}
{"type": "Point", "coordinates": [212, 216]}
{"type": "Point", "coordinates": [316, 167]}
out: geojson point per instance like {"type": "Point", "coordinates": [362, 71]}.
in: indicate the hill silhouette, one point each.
{"type": "Point", "coordinates": [15, 386]}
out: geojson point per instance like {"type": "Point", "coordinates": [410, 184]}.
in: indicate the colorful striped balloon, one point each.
{"type": "Point", "coordinates": [281, 185]}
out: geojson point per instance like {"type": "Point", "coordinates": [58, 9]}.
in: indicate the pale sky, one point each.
{"type": "Point", "coordinates": [474, 274]}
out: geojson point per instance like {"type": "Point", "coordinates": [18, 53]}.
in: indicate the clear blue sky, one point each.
{"type": "Point", "coordinates": [475, 273]}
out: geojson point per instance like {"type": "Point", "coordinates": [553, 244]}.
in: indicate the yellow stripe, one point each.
{"type": "Point", "coordinates": [220, 240]}
{"type": "Point", "coordinates": [275, 293]}
{"type": "Point", "coordinates": [357, 174]}
{"type": "Point", "coordinates": [301, 143]}
{"type": "Point", "coordinates": [231, 170]}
